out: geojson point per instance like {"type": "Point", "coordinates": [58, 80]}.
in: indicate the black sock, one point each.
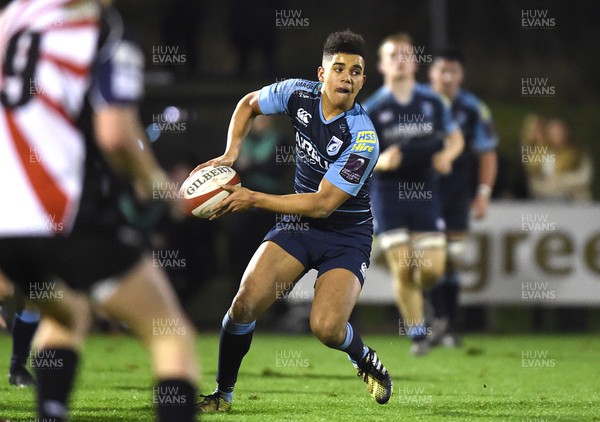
{"type": "Point", "coordinates": [233, 346]}
{"type": "Point", "coordinates": [22, 333]}
{"type": "Point", "coordinates": [452, 290]}
{"type": "Point", "coordinates": [438, 299]}
{"type": "Point", "coordinates": [55, 372]}
{"type": "Point", "coordinates": [175, 400]}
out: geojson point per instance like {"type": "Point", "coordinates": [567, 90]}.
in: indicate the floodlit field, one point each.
{"type": "Point", "coordinates": [294, 378]}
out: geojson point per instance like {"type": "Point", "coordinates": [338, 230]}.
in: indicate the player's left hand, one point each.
{"type": "Point", "coordinates": [442, 162]}
{"type": "Point", "coordinates": [239, 199]}
{"type": "Point", "coordinates": [480, 206]}
{"type": "Point", "coordinates": [223, 160]}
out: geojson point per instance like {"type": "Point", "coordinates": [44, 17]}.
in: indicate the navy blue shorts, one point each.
{"type": "Point", "coordinates": [456, 213]}
{"type": "Point", "coordinates": [326, 250]}
{"type": "Point", "coordinates": [415, 207]}
{"type": "Point", "coordinates": [457, 195]}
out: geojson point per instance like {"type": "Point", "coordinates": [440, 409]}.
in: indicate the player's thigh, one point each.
{"type": "Point", "coordinates": [144, 300]}
{"type": "Point", "coordinates": [271, 272]}
{"type": "Point", "coordinates": [336, 293]}
{"type": "Point", "coordinates": [429, 252]}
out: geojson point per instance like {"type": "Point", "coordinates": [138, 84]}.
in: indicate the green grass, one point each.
{"type": "Point", "coordinates": [484, 380]}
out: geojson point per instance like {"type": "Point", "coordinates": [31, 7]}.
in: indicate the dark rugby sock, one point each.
{"type": "Point", "coordinates": [23, 329]}
{"type": "Point", "coordinates": [451, 293]}
{"type": "Point", "coordinates": [233, 346]}
{"type": "Point", "coordinates": [353, 344]}
{"type": "Point", "coordinates": [175, 400]}
{"type": "Point", "coordinates": [437, 296]}
{"type": "Point", "coordinates": [55, 372]}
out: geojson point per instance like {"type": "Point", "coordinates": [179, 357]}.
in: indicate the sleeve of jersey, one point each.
{"type": "Point", "coordinates": [119, 79]}
{"type": "Point", "coordinates": [350, 171]}
{"type": "Point", "coordinates": [274, 98]}
{"type": "Point", "coordinates": [486, 138]}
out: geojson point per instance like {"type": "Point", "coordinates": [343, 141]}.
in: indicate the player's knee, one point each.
{"type": "Point", "coordinates": [394, 239]}
{"type": "Point", "coordinates": [328, 331]}
{"type": "Point", "coordinates": [78, 316]}
{"type": "Point", "coordinates": [456, 253]}
{"type": "Point", "coordinates": [430, 277]}
{"type": "Point", "coordinates": [431, 247]}
{"type": "Point", "coordinates": [242, 310]}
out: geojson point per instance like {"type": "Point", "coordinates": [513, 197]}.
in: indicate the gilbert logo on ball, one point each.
{"type": "Point", "coordinates": [202, 190]}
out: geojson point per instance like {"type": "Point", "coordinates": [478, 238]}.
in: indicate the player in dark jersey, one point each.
{"type": "Point", "coordinates": [336, 149]}
{"type": "Point", "coordinates": [418, 141]}
{"type": "Point", "coordinates": [468, 187]}
{"type": "Point", "coordinates": [70, 82]}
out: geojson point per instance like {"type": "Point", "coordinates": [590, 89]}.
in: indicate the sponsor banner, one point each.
{"type": "Point", "coordinates": [523, 253]}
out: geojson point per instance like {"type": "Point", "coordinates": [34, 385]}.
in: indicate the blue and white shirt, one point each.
{"type": "Point", "coordinates": [343, 150]}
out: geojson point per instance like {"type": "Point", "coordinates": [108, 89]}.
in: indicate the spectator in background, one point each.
{"type": "Point", "coordinates": [532, 131]}
{"type": "Point", "coordinates": [511, 180]}
{"type": "Point", "coordinates": [556, 168]}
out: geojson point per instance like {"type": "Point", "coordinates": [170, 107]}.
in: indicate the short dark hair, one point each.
{"type": "Point", "coordinates": [451, 55]}
{"type": "Point", "coordinates": [344, 42]}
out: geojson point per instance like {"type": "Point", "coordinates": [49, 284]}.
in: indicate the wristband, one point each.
{"type": "Point", "coordinates": [484, 190]}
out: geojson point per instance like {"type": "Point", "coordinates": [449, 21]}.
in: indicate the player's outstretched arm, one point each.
{"type": "Point", "coordinates": [316, 205]}
{"type": "Point", "coordinates": [239, 126]}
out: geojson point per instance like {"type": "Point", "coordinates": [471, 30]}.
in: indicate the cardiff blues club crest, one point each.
{"type": "Point", "coordinates": [334, 145]}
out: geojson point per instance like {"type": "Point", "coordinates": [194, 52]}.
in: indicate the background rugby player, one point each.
{"type": "Point", "coordinates": [419, 141]}
{"type": "Point", "coordinates": [468, 187]}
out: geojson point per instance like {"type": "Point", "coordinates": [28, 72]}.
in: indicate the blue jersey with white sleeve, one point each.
{"type": "Point", "coordinates": [342, 150]}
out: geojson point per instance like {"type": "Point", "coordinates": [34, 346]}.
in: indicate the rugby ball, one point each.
{"type": "Point", "coordinates": [202, 190]}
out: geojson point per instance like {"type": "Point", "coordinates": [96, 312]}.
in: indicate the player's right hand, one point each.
{"type": "Point", "coordinates": [223, 160]}
{"type": "Point", "coordinates": [390, 159]}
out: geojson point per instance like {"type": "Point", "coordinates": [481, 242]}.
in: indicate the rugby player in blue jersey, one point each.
{"type": "Point", "coordinates": [467, 187]}
{"type": "Point", "coordinates": [419, 141]}
{"type": "Point", "coordinates": [336, 150]}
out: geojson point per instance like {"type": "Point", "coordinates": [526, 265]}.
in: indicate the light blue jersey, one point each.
{"type": "Point", "coordinates": [342, 150]}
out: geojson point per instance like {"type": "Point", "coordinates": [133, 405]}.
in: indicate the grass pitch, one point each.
{"type": "Point", "coordinates": [295, 378]}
